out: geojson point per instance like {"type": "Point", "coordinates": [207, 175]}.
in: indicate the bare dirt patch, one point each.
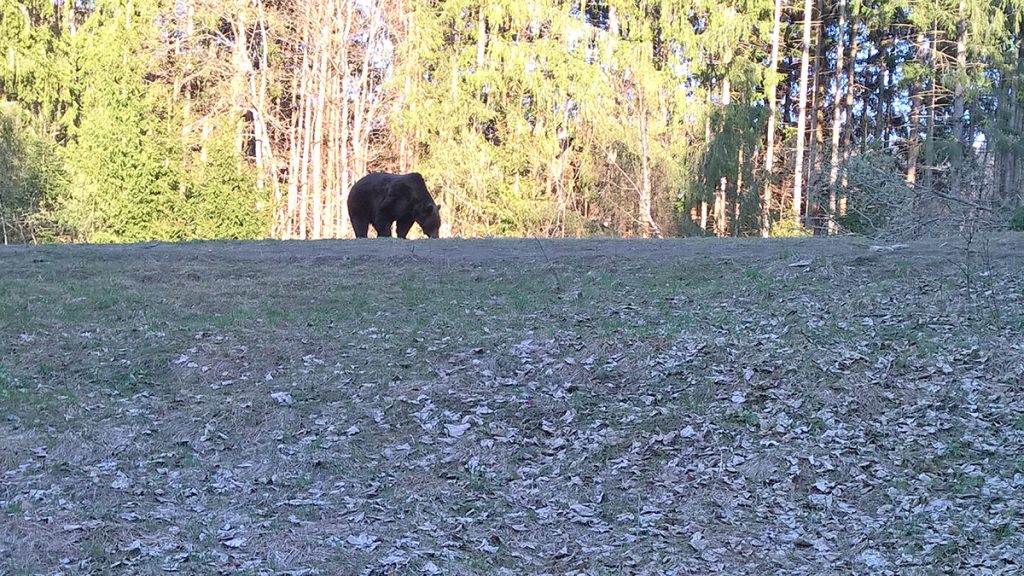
{"type": "Point", "coordinates": [513, 407]}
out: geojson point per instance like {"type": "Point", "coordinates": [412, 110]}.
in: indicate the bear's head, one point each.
{"type": "Point", "coordinates": [429, 219]}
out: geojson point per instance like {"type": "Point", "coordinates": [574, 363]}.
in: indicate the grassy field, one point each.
{"type": "Point", "coordinates": [513, 407]}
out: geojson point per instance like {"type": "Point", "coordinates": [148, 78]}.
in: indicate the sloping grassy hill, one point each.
{"type": "Point", "coordinates": [513, 407]}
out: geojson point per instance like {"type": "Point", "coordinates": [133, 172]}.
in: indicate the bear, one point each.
{"type": "Point", "coordinates": [382, 199]}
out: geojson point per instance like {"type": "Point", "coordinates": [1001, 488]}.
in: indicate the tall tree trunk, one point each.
{"type": "Point", "coordinates": [307, 141]}
{"type": "Point", "coordinates": [296, 168]}
{"type": "Point", "coordinates": [888, 130]}
{"type": "Point", "coordinates": [959, 91]}
{"type": "Point", "coordinates": [865, 131]}
{"type": "Point", "coordinates": [929, 138]}
{"type": "Point", "coordinates": [769, 156]}
{"type": "Point", "coordinates": [344, 137]}
{"type": "Point", "coordinates": [404, 152]}
{"type": "Point", "coordinates": [837, 114]}
{"type": "Point", "coordinates": [287, 218]}
{"type": "Point", "coordinates": [332, 167]}
{"type": "Point", "coordinates": [851, 83]}
{"type": "Point", "coordinates": [816, 118]}
{"type": "Point", "coordinates": [884, 82]}
{"type": "Point", "coordinates": [714, 194]}
{"type": "Point", "coordinates": [787, 101]}
{"type": "Point", "coordinates": [737, 204]}
{"type": "Point", "coordinates": [1012, 194]}
{"type": "Point", "coordinates": [801, 130]}
{"type": "Point", "coordinates": [242, 64]}
{"type": "Point", "coordinates": [649, 226]}
{"type": "Point", "coordinates": [913, 135]}
{"type": "Point", "coordinates": [721, 206]}
{"type": "Point", "coordinates": [319, 117]}
{"type": "Point", "coordinates": [933, 62]}
{"type": "Point", "coordinates": [266, 160]}
{"type": "Point", "coordinates": [363, 109]}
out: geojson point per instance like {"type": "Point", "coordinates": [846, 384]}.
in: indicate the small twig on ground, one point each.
{"type": "Point", "coordinates": [554, 274]}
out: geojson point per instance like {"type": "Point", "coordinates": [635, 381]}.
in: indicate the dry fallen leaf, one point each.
{"type": "Point", "coordinates": [362, 540]}
{"type": "Point", "coordinates": [456, 430]}
{"type": "Point", "coordinates": [283, 398]}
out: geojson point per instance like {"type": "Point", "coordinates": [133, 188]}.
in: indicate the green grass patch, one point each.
{"type": "Point", "coordinates": [381, 402]}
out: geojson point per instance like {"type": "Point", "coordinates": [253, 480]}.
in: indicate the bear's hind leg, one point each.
{"type": "Point", "coordinates": [360, 226]}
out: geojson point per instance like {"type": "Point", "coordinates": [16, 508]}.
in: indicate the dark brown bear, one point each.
{"type": "Point", "coordinates": [382, 199]}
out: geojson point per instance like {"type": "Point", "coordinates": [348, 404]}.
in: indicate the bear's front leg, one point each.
{"type": "Point", "coordinates": [403, 227]}
{"type": "Point", "coordinates": [383, 228]}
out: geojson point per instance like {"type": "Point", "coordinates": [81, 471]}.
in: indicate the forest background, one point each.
{"type": "Point", "coordinates": [132, 120]}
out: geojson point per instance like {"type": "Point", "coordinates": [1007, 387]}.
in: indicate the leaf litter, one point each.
{"type": "Point", "coordinates": [667, 418]}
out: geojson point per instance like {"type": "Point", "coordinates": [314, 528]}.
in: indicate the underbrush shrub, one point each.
{"type": "Point", "coordinates": [882, 204]}
{"type": "Point", "coordinates": [787, 227]}
{"type": "Point", "coordinates": [32, 179]}
{"type": "Point", "coordinates": [1017, 220]}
